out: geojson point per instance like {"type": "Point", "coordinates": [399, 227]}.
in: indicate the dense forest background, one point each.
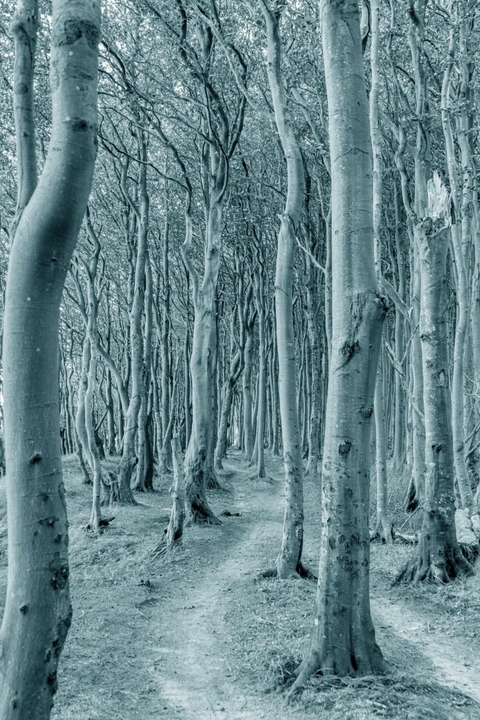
{"type": "Point", "coordinates": [257, 237]}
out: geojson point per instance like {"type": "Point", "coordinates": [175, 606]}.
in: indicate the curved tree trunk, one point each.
{"type": "Point", "coordinates": [96, 514]}
{"type": "Point", "coordinates": [247, 396]}
{"type": "Point", "coordinates": [211, 479]}
{"type": "Point", "coordinates": [38, 611]}
{"type": "Point", "coordinates": [460, 232]}
{"type": "Point", "coordinates": [144, 483]}
{"type": "Point", "coordinates": [399, 443]}
{"type": "Point", "coordinates": [227, 397]}
{"type": "Point", "coordinates": [262, 374]}
{"type": "Point", "coordinates": [96, 519]}
{"type": "Point", "coordinates": [80, 418]}
{"type": "Point", "coordinates": [122, 491]}
{"type": "Point", "coordinates": [343, 637]}
{"type": "Point", "coordinates": [289, 559]}
{"type": "Point", "coordinates": [197, 507]}
{"type": "Point", "coordinates": [166, 455]}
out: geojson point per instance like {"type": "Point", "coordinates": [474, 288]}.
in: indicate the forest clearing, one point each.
{"type": "Point", "coordinates": [240, 362]}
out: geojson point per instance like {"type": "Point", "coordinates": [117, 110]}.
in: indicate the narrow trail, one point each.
{"type": "Point", "coordinates": [453, 665]}
{"type": "Point", "coordinates": [201, 684]}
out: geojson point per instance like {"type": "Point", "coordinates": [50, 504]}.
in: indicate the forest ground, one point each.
{"type": "Point", "coordinates": [199, 636]}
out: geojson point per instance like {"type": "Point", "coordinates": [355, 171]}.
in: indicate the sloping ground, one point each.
{"type": "Point", "coordinates": [199, 635]}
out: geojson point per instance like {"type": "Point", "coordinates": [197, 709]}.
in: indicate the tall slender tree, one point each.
{"type": "Point", "coordinates": [343, 637]}
{"type": "Point", "coordinates": [38, 610]}
{"type": "Point", "coordinates": [289, 558]}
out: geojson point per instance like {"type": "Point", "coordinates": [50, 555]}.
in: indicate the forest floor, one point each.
{"type": "Point", "coordinates": [199, 635]}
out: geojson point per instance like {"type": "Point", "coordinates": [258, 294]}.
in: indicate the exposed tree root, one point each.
{"type": "Point", "coordinates": [197, 509]}
{"type": "Point", "coordinates": [265, 478]}
{"type": "Point", "coordinates": [199, 513]}
{"type": "Point", "coordinates": [117, 497]}
{"type": "Point", "coordinates": [305, 573]}
{"type": "Point", "coordinates": [383, 532]}
{"type": "Point", "coordinates": [96, 523]}
{"type": "Point", "coordinates": [213, 484]}
{"type": "Point", "coordinates": [443, 569]}
{"type": "Point", "coordinates": [341, 664]}
{"type": "Point", "coordinates": [300, 572]}
{"type": "Point", "coordinates": [163, 548]}
{"type": "Point", "coordinates": [120, 489]}
{"type": "Point", "coordinates": [210, 478]}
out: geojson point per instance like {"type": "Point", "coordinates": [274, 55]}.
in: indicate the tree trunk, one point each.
{"type": "Point", "coordinates": [274, 387]}
{"type": "Point", "coordinates": [143, 483]}
{"type": "Point", "coordinates": [343, 637]}
{"type": "Point", "coordinates": [91, 339]}
{"type": "Point", "coordinates": [460, 233]}
{"type": "Point", "coordinates": [197, 507]}
{"type": "Point", "coordinates": [166, 456]}
{"type": "Point", "coordinates": [399, 422]}
{"type": "Point", "coordinates": [211, 480]}
{"type": "Point", "coordinates": [262, 369]}
{"type": "Point", "coordinates": [174, 531]}
{"type": "Point", "coordinates": [289, 559]}
{"type": "Point", "coordinates": [187, 403]}
{"type": "Point", "coordinates": [38, 611]}
{"type": "Point", "coordinates": [227, 396]}
{"type": "Point", "coordinates": [315, 370]}
{"type": "Point", "coordinates": [247, 396]}
{"type": "Point", "coordinates": [110, 415]}
{"type": "Point", "coordinates": [438, 557]}
{"type": "Point", "coordinates": [383, 528]}
{"type": "Point", "coordinates": [122, 491]}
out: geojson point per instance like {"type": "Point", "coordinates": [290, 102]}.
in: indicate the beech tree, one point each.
{"type": "Point", "coordinates": [49, 213]}
{"type": "Point", "coordinates": [289, 559]}
{"type": "Point", "coordinates": [438, 555]}
{"type": "Point", "coordinates": [343, 642]}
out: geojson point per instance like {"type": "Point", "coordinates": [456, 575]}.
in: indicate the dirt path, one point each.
{"type": "Point", "coordinates": [152, 640]}
{"type": "Point", "coordinates": [201, 684]}
{"type": "Point", "coordinates": [453, 665]}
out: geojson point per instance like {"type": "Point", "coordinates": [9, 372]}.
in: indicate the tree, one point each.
{"type": "Point", "coordinates": [220, 137]}
{"type": "Point", "coordinates": [38, 610]}
{"type": "Point", "coordinates": [343, 637]}
{"type": "Point", "coordinates": [289, 558]}
{"type": "Point", "coordinates": [438, 557]}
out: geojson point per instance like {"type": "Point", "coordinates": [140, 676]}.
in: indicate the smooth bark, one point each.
{"type": "Point", "coordinates": [343, 637]}
{"type": "Point", "coordinates": [38, 611]}
{"type": "Point", "coordinates": [289, 559]}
